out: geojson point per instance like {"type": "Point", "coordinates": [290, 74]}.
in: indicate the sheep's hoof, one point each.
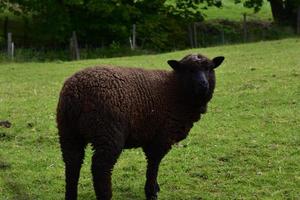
{"type": "Point", "coordinates": [154, 197]}
{"type": "Point", "coordinates": [153, 194]}
{"type": "Point", "coordinates": [157, 188]}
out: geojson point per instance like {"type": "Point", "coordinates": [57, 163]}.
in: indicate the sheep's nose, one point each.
{"type": "Point", "coordinates": [203, 84]}
{"type": "Point", "coordinates": [204, 88]}
{"type": "Point", "coordinates": [202, 80]}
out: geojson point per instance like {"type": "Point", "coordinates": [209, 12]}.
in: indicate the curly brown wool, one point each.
{"type": "Point", "coordinates": [115, 108]}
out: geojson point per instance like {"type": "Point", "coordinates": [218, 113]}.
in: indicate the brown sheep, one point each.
{"type": "Point", "coordinates": [116, 108]}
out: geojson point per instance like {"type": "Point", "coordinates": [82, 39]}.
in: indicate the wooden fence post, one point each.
{"type": "Point", "coordinates": [9, 36]}
{"type": "Point", "coordinates": [134, 36]}
{"type": "Point", "coordinates": [10, 46]}
{"type": "Point", "coordinates": [12, 51]}
{"type": "Point", "coordinates": [195, 35]}
{"type": "Point", "coordinates": [245, 26]}
{"type": "Point", "coordinates": [74, 47]}
{"type": "Point", "coordinates": [132, 40]}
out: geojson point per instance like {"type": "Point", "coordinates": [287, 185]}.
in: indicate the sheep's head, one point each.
{"type": "Point", "coordinates": [197, 74]}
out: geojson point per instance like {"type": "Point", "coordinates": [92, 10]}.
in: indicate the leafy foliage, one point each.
{"type": "Point", "coordinates": [100, 23]}
{"type": "Point", "coordinates": [284, 11]}
{"type": "Point", "coordinates": [161, 24]}
{"type": "Point", "coordinates": [256, 4]}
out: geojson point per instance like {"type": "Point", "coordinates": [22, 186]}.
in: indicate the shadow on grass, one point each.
{"type": "Point", "coordinates": [130, 195]}
{"type": "Point", "coordinates": [11, 184]}
{"type": "Point", "coordinates": [120, 193]}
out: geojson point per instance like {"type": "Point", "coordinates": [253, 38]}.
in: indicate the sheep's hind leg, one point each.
{"type": "Point", "coordinates": [73, 154]}
{"type": "Point", "coordinates": [154, 155]}
{"type": "Point", "coordinates": [106, 153]}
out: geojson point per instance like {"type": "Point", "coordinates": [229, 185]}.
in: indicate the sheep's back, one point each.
{"type": "Point", "coordinates": [134, 97]}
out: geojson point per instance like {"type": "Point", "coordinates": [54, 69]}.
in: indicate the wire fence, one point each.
{"type": "Point", "coordinates": [16, 41]}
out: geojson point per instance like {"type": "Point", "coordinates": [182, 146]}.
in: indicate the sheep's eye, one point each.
{"type": "Point", "coordinates": [205, 68]}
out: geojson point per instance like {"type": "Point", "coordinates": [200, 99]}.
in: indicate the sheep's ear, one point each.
{"type": "Point", "coordinates": [218, 61]}
{"type": "Point", "coordinates": [174, 64]}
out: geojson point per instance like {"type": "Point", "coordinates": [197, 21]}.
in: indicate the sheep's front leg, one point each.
{"type": "Point", "coordinates": [154, 155]}
{"type": "Point", "coordinates": [151, 186]}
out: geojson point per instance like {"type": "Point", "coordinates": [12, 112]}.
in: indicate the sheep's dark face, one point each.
{"type": "Point", "coordinates": [197, 74]}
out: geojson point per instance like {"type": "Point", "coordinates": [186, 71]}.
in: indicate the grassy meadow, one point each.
{"type": "Point", "coordinates": [232, 11]}
{"type": "Point", "coordinates": [246, 147]}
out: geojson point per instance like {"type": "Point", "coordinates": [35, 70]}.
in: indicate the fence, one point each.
{"type": "Point", "coordinates": [199, 34]}
{"type": "Point", "coordinates": [221, 32]}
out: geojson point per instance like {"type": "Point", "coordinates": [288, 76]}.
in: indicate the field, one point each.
{"type": "Point", "coordinates": [246, 147]}
{"type": "Point", "coordinates": [232, 11]}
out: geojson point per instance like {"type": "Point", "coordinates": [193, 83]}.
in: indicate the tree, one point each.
{"type": "Point", "coordinates": [101, 22]}
{"type": "Point", "coordinates": [284, 11]}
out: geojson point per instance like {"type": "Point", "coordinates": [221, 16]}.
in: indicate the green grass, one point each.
{"type": "Point", "coordinates": [232, 11]}
{"type": "Point", "coordinates": [246, 147]}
